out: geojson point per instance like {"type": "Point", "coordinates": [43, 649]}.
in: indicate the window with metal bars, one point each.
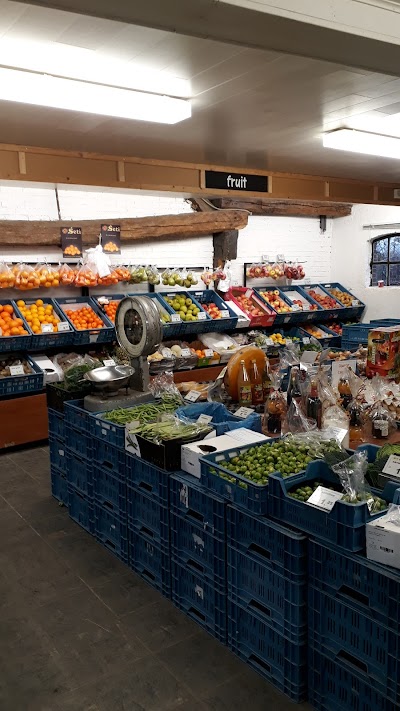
{"type": "Point", "coordinates": [385, 260]}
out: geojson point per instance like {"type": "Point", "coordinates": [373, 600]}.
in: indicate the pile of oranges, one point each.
{"type": "Point", "coordinates": [84, 318]}
{"type": "Point", "coordinates": [111, 310]}
{"type": "Point", "coordinates": [10, 324]}
{"type": "Point", "coordinates": [37, 314]}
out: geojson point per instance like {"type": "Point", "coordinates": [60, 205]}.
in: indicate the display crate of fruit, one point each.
{"type": "Point", "coordinates": [331, 308]}
{"type": "Point", "coordinates": [108, 304]}
{"type": "Point", "coordinates": [192, 317]}
{"type": "Point", "coordinates": [205, 356]}
{"type": "Point", "coordinates": [252, 305]}
{"type": "Point", "coordinates": [90, 325]}
{"type": "Point", "coordinates": [222, 316]}
{"type": "Point", "coordinates": [309, 309]}
{"type": "Point", "coordinates": [354, 307]}
{"type": "Point", "coordinates": [286, 311]}
{"type": "Point", "coordinates": [49, 326]}
{"type": "Point", "coordinates": [19, 374]}
{"type": "Point", "coordinates": [15, 333]}
{"type": "Point", "coordinates": [344, 525]}
{"type": "Point", "coordinates": [321, 333]}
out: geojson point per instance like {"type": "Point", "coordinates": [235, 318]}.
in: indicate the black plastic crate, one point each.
{"type": "Point", "coordinates": [165, 456]}
{"type": "Point", "coordinates": [151, 561]}
{"type": "Point", "coordinates": [57, 396]}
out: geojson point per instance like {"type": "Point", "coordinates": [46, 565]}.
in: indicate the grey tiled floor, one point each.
{"type": "Point", "coordinates": [79, 631]}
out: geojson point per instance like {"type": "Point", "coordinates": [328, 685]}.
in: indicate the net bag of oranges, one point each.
{"type": "Point", "coordinates": [7, 276]}
{"type": "Point", "coordinates": [26, 277]}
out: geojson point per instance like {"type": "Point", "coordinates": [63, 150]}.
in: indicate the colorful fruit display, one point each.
{"type": "Point", "coordinates": [275, 301]}
{"type": "Point", "coordinates": [323, 299]}
{"type": "Point", "coordinates": [184, 306]}
{"type": "Point", "coordinates": [84, 318]}
{"type": "Point", "coordinates": [37, 314]}
{"type": "Point", "coordinates": [212, 310]}
{"type": "Point", "coordinates": [341, 296]}
{"type": "Point", "coordinates": [10, 323]}
{"type": "Point", "coordinates": [250, 307]}
{"type": "Point", "coordinates": [316, 332]}
{"type": "Point", "coordinates": [336, 327]}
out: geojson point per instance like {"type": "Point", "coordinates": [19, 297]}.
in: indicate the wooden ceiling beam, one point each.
{"type": "Point", "coordinates": [284, 208]}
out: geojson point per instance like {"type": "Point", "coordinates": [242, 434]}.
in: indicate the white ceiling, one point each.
{"type": "Point", "coordinates": [250, 107]}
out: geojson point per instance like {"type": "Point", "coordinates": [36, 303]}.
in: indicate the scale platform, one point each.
{"type": "Point", "coordinates": [122, 398]}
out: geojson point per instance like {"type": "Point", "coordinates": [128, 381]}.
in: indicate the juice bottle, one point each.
{"type": "Point", "coordinates": [266, 380]}
{"type": "Point", "coordinates": [256, 384]}
{"type": "Point", "coordinates": [244, 386]}
{"type": "Point", "coordinates": [314, 405]}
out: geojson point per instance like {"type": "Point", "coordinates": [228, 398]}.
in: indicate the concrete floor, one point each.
{"type": "Point", "coordinates": [79, 631]}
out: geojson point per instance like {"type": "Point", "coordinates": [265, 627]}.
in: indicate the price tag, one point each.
{"type": "Point", "coordinates": [224, 313]}
{"type": "Point", "coordinates": [184, 495]}
{"type": "Point", "coordinates": [306, 306]}
{"type": "Point", "coordinates": [243, 412]}
{"type": "Point", "coordinates": [47, 328]}
{"type": "Point", "coordinates": [296, 307]}
{"type": "Point", "coordinates": [208, 353]}
{"type": "Point", "coordinates": [309, 357]}
{"type": "Point", "coordinates": [171, 296]}
{"type": "Point", "coordinates": [204, 419]}
{"type": "Point", "coordinates": [248, 293]}
{"type": "Point", "coordinates": [17, 370]}
{"type": "Point", "coordinates": [306, 341]}
{"type": "Point", "coordinates": [286, 320]}
{"type": "Point", "coordinates": [192, 396]}
{"type": "Point", "coordinates": [201, 316]}
{"type": "Point", "coordinates": [324, 498]}
{"type": "Point", "coordinates": [355, 302]}
{"type": "Point", "coordinates": [186, 353]}
{"type": "Point", "coordinates": [63, 326]}
{"type": "Point", "coordinates": [288, 341]}
{"type": "Point", "coordinates": [269, 342]}
{"type": "Point", "coordinates": [392, 466]}
{"type": "Point", "coordinates": [175, 318]}
{"type": "Point", "coordinates": [108, 362]}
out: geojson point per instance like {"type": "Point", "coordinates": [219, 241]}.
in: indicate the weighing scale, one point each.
{"type": "Point", "coordinates": [139, 332]}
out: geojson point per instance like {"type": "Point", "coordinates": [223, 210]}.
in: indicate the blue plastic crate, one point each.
{"type": "Point", "coordinates": [355, 311]}
{"type": "Point", "coordinates": [107, 431]}
{"type": "Point", "coordinates": [330, 339]}
{"type": "Point", "coordinates": [371, 588]}
{"type": "Point", "coordinates": [333, 686]}
{"type": "Point", "coordinates": [269, 653]}
{"type": "Point", "coordinates": [236, 489]}
{"type": "Point", "coordinates": [200, 599]}
{"type": "Point", "coordinates": [110, 458]}
{"type": "Point", "coordinates": [188, 327]}
{"type": "Point", "coordinates": [194, 503]}
{"type": "Point", "coordinates": [76, 416]}
{"type": "Point", "coordinates": [15, 343]}
{"type": "Point", "coordinates": [17, 384]}
{"type": "Point", "coordinates": [88, 336]}
{"type": "Point", "coordinates": [357, 333]}
{"type": "Point", "coordinates": [81, 509]}
{"type": "Point", "coordinates": [147, 517]}
{"type": "Point", "coordinates": [79, 474]}
{"type": "Point", "coordinates": [150, 561]}
{"type": "Point", "coordinates": [283, 550]}
{"type": "Point", "coordinates": [78, 442]}
{"type": "Point", "coordinates": [59, 485]}
{"type": "Point", "coordinates": [198, 550]}
{"type": "Point", "coordinates": [221, 324]}
{"type": "Point", "coordinates": [58, 339]}
{"type": "Point", "coordinates": [324, 314]}
{"type": "Point", "coordinates": [109, 491]}
{"type": "Point", "coordinates": [56, 424]}
{"type": "Point", "coordinates": [111, 530]}
{"type": "Point", "coordinates": [148, 479]}
{"type": "Point", "coordinates": [271, 597]}
{"type": "Point", "coordinates": [58, 454]}
{"type": "Point", "coordinates": [306, 315]}
{"type": "Point", "coordinates": [290, 317]}
{"type": "Point", "coordinates": [345, 634]}
{"type": "Point", "coordinates": [344, 525]}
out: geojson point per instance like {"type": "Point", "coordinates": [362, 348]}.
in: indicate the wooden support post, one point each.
{"type": "Point", "coordinates": [225, 247]}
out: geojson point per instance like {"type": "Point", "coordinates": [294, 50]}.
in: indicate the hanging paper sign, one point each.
{"type": "Point", "coordinates": [111, 238]}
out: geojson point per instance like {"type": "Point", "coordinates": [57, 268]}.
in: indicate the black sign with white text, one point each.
{"type": "Point", "coordinates": [236, 181]}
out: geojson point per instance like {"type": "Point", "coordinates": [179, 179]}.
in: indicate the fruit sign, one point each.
{"type": "Point", "coordinates": [236, 181]}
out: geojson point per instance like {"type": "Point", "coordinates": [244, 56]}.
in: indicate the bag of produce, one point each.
{"type": "Point", "coordinates": [153, 275]}
{"type": "Point", "coordinates": [138, 274]}
{"type": "Point", "coordinates": [163, 384]}
{"type": "Point", "coordinates": [7, 276]}
{"type": "Point", "coordinates": [275, 406]}
{"type": "Point", "coordinates": [48, 276]}
{"type": "Point", "coordinates": [26, 277]}
{"type": "Point", "coordinates": [67, 275]}
{"type": "Point", "coordinates": [85, 276]}
{"type": "Point", "coordinates": [206, 277]}
{"type": "Point", "coordinates": [109, 279]}
{"type": "Point", "coordinates": [222, 420]}
{"type": "Point", "coordinates": [191, 279]}
{"type": "Point", "coordinates": [351, 473]}
{"type": "Point", "coordinates": [122, 273]}
{"type": "Point", "coordinates": [296, 421]}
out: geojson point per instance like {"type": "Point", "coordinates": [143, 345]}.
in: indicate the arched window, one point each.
{"type": "Point", "coordinates": [385, 261]}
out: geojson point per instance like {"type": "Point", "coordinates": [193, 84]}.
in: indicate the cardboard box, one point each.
{"type": "Point", "coordinates": [383, 541]}
{"type": "Point", "coordinates": [384, 352]}
{"type": "Point", "coordinates": [192, 453]}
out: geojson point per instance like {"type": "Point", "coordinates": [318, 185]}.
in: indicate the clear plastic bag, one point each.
{"type": "Point", "coordinates": [138, 274]}
{"type": "Point", "coordinates": [296, 421]}
{"type": "Point", "coordinates": [153, 275]}
{"type": "Point", "coordinates": [123, 273]}
{"type": "Point", "coordinates": [351, 473]}
{"type": "Point", "coordinates": [163, 384]}
{"type": "Point", "coordinates": [85, 276]}
{"type": "Point", "coordinates": [67, 275]}
{"type": "Point", "coordinates": [206, 277]}
{"type": "Point", "coordinates": [275, 406]}
{"type": "Point", "coordinates": [26, 277]}
{"type": "Point", "coordinates": [48, 275]}
{"type": "Point", "coordinates": [109, 280]}
{"type": "Point", "coordinates": [7, 276]}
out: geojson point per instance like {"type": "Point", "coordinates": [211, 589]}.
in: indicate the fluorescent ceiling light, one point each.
{"type": "Point", "coordinates": [373, 144]}
{"type": "Point", "coordinates": [89, 65]}
{"type": "Point", "coordinates": [59, 93]}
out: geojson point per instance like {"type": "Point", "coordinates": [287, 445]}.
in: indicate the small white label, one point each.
{"type": "Point", "coordinates": [201, 316]}
{"type": "Point", "coordinates": [324, 498]}
{"type": "Point", "coordinates": [93, 337]}
{"type": "Point", "coordinates": [171, 296]}
{"type": "Point", "coordinates": [306, 306]}
{"type": "Point", "coordinates": [248, 293]}
{"type": "Point", "coordinates": [199, 591]}
{"type": "Point", "coordinates": [61, 452]}
{"type": "Point", "coordinates": [175, 318]}
{"type": "Point", "coordinates": [269, 342]}
{"type": "Point", "coordinates": [17, 370]}
{"type": "Point", "coordinates": [295, 307]}
{"type": "Point", "coordinates": [392, 466]}
{"type": "Point", "coordinates": [204, 419]}
{"type": "Point", "coordinates": [209, 353]}
{"type": "Point", "coordinates": [355, 302]}
{"type": "Point", "coordinates": [306, 341]}
{"type": "Point", "coordinates": [109, 362]}
{"type": "Point", "coordinates": [286, 319]}
{"type": "Point", "coordinates": [288, 341]}
{"type": "Point", "coordinates": [308, 357]}
{"type": "Point", "coordinates": [192, 396]}
{"type": "Point", "coordinates": [244, 412]}
{"type": "Point", "coordinates": [224, 313]}
{"type": "Point", "coordinates": [47, 328]}
{"type": "Point", "coordinates": [184, 495]}
{"type": "Point", "coordinates": [186, 353]}
{"type": "Point", "coordinates": [63, 326]}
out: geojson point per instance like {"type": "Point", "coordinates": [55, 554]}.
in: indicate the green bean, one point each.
{"type": "Point", "coordinates": [145, 413]}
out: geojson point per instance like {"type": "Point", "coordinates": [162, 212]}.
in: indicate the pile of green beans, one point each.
{"type": "Point", "coordinates": [172, 430]}
{"type": "Point", "coordinates": [146, 413]}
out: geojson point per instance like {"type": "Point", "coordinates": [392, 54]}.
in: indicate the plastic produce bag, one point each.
{"type": "Point", "coordinates": [296, 421]}
{"type": "Point", "coordinates": [109, 279]}
{"type": "Point", "coordinates": [67, 275]}
{"type": "Point", "coordinates": [275, 406]}
{"type": "Point", "coordinates": [163, 384]}
{"type": "Point", "coordinates": [26, 277]}
{"type": "Point", "coordinates": [7, 276]}
{"type": "Point", "coordinates": [48, 276]}
{"type": "Point", "coordinates": [123, 273]}
{"type": "Point", "coordinates": [153, 275]}
{"type": "Point", "coordinates": [380, 422]}
{"type": "Point", "coordinates": [351, 473]}
{"type": "Point", "coordinates": [222, 420]}
{"type": "Point", "coordinates": [85, 276]}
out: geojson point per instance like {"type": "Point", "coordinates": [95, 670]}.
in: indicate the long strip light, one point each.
{"type": "Point", "coordinates": [59, 93]}
{"type": "Point", "coordinates": [373, 144]}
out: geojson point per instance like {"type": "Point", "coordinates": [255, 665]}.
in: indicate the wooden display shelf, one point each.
{"type": "Point", "coordinates": [198, 375]}
{"type": "Point", "coordinates": [23, 420]}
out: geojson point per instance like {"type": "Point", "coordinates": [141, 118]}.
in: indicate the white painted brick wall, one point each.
{"type": "Point", "coordinates": [294, 237]}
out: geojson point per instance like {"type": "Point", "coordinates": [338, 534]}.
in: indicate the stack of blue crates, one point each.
{"type": "Point", "coordinates": [198, 553]}
{"type": "Point", "coordinates": [58, 470]}
{"type": "Point", "coordinates": [148, 522]}
{"type": "Point", "coordinates": [78, 464]}
{"type": "Point", "coordinates": [267, 599]}
{"type": "Point", "coordinates": [354, 632]}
